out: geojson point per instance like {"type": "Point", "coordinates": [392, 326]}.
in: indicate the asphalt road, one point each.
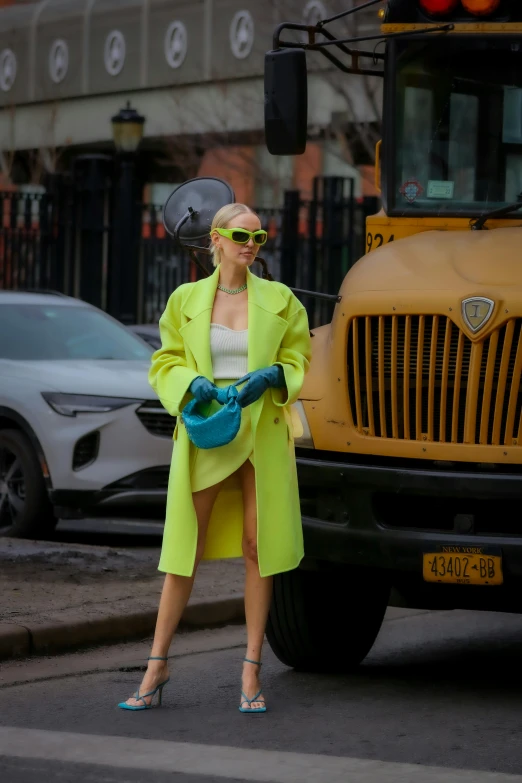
{"type": "Point", "coordinates": [438, 699]}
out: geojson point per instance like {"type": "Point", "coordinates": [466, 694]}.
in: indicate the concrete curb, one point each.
{"type": "Point", "coordinates": [14, 641]}
{"type": "Point", "coordinates": [47, 638]}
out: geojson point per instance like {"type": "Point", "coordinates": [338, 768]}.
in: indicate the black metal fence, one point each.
{"type": "Point", "coordinates": [321, 239]}
{"type": "Point", "coordinates": [311, 245]}
{"type": "Point", "coordinates": [27, 233]}
{"type": "Point", "coordinates": [57, 240]}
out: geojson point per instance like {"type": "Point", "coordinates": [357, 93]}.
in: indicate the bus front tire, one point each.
{"type": "Point", "coordinates": [326, 620]}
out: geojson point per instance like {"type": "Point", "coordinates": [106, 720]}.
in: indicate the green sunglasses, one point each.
{"type": "Point", "coordinates": [241, 236]}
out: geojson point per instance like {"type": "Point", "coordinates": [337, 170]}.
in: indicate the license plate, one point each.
{"type": "Point", "coordinates": [461, 565]}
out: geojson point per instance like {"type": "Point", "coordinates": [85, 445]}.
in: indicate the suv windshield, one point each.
{"type": "Point", "coordinates": [458, 127]}
{"type": "Point", "coordinates": [47, 331]}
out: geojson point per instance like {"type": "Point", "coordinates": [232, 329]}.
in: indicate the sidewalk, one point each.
{"type": "Point", "coordinates": [57, 596]}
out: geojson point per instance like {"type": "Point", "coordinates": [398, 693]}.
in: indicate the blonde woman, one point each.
{"type": "Point", "coordinates": [240, 499]}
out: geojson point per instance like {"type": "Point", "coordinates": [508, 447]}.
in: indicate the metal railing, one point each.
{"type": "Point", "coordinates": [26, 233]}
{"type": "Point", "coordinates": [311, 245]}
{"type": "Point", "coordinates": [61, 239]}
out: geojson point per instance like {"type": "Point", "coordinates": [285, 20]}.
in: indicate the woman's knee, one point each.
{"type": "Point", "coordinates": [250, 549]}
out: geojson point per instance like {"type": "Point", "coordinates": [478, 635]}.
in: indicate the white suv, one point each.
{"type": "Point", "coordinates": [81, 430]}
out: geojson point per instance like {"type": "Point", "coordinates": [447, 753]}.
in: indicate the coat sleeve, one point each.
{"type": "Point", "coordinates": [169, 375]}
{"type": "Point", "coordinates": [294, 357]}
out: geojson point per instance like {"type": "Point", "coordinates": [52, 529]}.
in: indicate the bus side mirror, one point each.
{"type": "Point", "coordinates": [286, 101]}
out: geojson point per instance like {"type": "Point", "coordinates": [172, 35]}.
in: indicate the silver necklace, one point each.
{"type": "Point", "coordinates": [232, 290]}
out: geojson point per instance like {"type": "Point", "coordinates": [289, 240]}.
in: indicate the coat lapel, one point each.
{"type": "Point", "coordinates": [265, 327]}
{"type": "Point", "coordinates": [265, 331]}
{"type": "Point", "coordinates": [196, 332]}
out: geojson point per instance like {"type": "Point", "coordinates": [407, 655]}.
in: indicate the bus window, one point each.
{"type": "Point", "coordinates": [462, 154]}
{"type": "Point", "coordinates": [458, 131]}
{"type": "Point", "coordinates": [513, 177]}
{"type": "Point", "coordinates": [512, 126]}
{"type": "Point", "coordinates": [418, 119]}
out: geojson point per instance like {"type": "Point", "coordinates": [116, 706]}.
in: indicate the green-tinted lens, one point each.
{"type": "Point", "coordinates": [260, 237]}
{"type": "Point", "coordinates": [241, 237]}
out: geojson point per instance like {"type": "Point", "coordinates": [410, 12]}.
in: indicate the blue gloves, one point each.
{"type": "Point", "coordinates": [258, 382]}
{"type": "Point", "coordinates": [203, 390]}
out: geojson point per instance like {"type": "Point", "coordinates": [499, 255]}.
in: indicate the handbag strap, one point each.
{"type": "Point", "coordinates": [227, 394]}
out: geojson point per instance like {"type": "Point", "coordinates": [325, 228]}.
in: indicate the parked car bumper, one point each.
{"type": "Point", "coordinates": [145, 491]}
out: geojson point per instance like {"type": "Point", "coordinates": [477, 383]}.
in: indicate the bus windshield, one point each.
{"type": "Point", "coordinates": [458, 126]}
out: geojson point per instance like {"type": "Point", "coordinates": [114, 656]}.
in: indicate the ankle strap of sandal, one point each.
{"type": "Point", "coordinates": [257, 663]}
{"type": "Point", "coordinates": [156, 658]}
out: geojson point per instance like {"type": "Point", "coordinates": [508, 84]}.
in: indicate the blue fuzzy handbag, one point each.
{"type": "Point", "coordinates": [209, 432]}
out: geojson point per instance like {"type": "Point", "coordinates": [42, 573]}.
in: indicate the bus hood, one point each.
{"type": "Point", "coordinates": [442, 260]}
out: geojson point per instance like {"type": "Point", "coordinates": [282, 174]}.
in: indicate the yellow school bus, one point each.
{"type": "Point", "coordinates": [410, 459]}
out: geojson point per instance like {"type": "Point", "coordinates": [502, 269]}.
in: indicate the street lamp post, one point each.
{"type": "Point", "coordinates": [127, 133]}
{"type": "Point", "coordinates": [127, 130]}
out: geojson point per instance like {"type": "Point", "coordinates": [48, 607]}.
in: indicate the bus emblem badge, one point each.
{"type": "Point", "coordinates": [476, 312]}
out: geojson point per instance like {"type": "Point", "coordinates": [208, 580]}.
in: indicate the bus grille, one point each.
{"type": "Point", "coordinates": [421, 378]}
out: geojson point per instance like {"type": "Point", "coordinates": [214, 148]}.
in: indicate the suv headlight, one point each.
{"type": "Point", "coordinates": [71, 404]}
{"type": "Point", "coordinates": [302, 435]}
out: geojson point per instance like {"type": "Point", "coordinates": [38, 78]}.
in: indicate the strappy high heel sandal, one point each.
{"type": "Point", "coordinates": [248, 701]}
{"type": "Point", "coordinates": [158, 689]}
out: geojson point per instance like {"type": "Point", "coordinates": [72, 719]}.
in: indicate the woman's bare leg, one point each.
{"type": "Point", "coordinates": [174, 597]}
{"type": "Point", "coordinates": [258, 589]}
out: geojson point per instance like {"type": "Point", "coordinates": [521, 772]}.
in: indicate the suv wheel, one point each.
{"type": "Point", "coordinates": [25, 509]}
{"type": "Point", "coordinates": [326, 620]}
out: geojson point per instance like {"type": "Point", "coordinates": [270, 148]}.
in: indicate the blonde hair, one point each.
{"type": "Point", "coordinates": [221, 220]}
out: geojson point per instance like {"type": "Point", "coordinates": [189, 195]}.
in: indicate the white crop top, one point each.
{"type": "Point", "coordinates": [229, 351]}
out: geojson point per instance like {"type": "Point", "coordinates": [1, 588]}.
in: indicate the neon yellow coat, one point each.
{"type": "Point", "coordinates": [277, 333]}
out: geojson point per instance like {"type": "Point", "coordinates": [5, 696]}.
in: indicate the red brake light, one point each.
{"type": "Point", "coordinates": [481, 7]}
{"type": "Point", "coordinates": [439, 7]}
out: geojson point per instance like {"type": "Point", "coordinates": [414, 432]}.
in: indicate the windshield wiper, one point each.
{"type": "Point", "coordinates": [478, 225]}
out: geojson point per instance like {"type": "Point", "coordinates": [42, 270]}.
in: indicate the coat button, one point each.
{"type": "Point", "coordinates": [276, 421]}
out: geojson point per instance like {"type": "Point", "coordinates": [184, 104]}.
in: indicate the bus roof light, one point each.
{"type": "Point", "coordinates": [481, 7]}
{"type": "Point", "coordinates": [439, 7]}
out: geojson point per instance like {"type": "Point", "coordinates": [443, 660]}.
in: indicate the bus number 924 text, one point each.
{"type": "Point", "coordinates": [373, 241]}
